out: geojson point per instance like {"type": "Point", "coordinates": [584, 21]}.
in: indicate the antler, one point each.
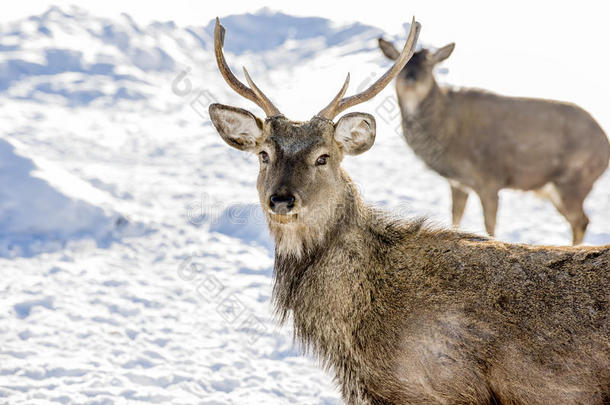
{"type": "Point", "coordinates": [252, 93]}
{"type": "Point", "coordinates": [340, 104]}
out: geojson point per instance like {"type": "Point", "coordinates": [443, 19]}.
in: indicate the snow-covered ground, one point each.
{"type": "Point", "coordinates": [135, 264]}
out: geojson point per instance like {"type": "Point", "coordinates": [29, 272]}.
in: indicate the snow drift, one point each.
{"type": "Point", "coordinates": [35, 216]}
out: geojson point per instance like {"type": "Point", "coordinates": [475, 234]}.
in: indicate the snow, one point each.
{"type": "Point", "coordinates": [136, 266]}
{"type": "Point", "coordinates": [36, 215]}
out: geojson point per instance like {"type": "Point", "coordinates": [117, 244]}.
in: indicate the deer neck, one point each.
{"type": "Point", "coordinates": [421, 103]}
{"type": "Point", "coordinates": [423, 129]}
{"type": "Point", "coordinates": [316, 286]}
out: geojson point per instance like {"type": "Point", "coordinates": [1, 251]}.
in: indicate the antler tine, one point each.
{"type": "Point", "coordinates": [336, 106]}
{"type": "Point", "coordinates": [266, 104]}
{"type": "Point", "coordinates": [254, 93]}
{"type": "Point", "coordinates": [333, 104]}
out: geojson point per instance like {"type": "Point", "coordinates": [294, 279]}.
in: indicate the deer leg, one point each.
{"type": "Point", "coordinates": [458, 198]}
{"type": "Point", "coordinates": [489, 201]}
{"type": "Point", "coordinates": [579, 225]}
{"type": "Point", "coordinates": [569, 201]}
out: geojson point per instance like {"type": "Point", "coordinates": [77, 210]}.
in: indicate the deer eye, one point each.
{"type": "Point", "coordinates": [264, 157]}
{"type": "Point", "coordinates": [321, 160]}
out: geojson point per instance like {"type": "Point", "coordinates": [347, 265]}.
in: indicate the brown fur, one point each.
{"type": "Point", "coordinates": [405, 314]}
{"type": "Point", "coordinates": [402, 313]}
{"type": "Point", "coordinates": [486, 142]}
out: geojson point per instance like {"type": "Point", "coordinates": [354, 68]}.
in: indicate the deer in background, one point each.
{"type": "Point", "coordinates": [400, 312]}
{"type": "Point", "coordinates": [486, 142]}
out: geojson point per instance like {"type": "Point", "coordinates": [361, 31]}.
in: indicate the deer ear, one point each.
{"type": "Point", "coordinates": [355, 133]}
{"type": "Point", "coordinates": [443, 53]}
{"type": "Point", "coordinates": [238, 127]}
{"type": "Point", "coordinates": [388, 49]}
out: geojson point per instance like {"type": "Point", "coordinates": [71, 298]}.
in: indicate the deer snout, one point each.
{"type": "Point", "coordinates": [411, 75]}
{"type": "Point", "coordinates": [281, 203]}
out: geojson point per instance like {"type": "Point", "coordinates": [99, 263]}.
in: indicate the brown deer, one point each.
{"type": "Point", "coordinates": [486, 142]}
{"type": "Point", "coordinates": [403, 313]}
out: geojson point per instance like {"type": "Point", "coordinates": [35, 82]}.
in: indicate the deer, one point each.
{"type": "Point", "coordinates": [401, 311]}
{"type": "Point", "coordinates": [484, 142]}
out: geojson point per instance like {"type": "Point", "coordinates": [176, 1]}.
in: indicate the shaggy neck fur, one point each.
{"type": "Point", "coordinates": [332, 289]}
{"type": "Point", "coordinates": [303, 243]}
{"type": "Point", "coordinates": [325, 298]}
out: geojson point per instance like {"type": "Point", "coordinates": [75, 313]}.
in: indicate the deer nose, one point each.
{"type": "Point", "coordinates": [411, 75]}
{"type": "Point", "coordinates": [281, 203]}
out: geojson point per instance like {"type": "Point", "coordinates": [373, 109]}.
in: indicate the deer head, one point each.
{"type": "Point", "coordinates": [417, 77]}
{"type": "Point", "coordinates": [301, 184]}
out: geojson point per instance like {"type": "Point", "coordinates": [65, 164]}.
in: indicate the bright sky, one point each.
{"type": "Point", "coordinates": [462, 19]}
{"type": "Point", "coordinates": [554, 49]}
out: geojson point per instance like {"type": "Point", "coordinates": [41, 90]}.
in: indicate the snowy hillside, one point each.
{"type": "Point", "coordinates": [36, 215]}
{"type": "Point", "coordinates": [136, 266]}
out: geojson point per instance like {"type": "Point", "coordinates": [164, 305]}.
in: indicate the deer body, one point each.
{"type": "Point", "coordinates": [402, 313]}
{"type": "Point", "coordinates": [486, 142]}
{"type": "Point", "coordinates": [405, 314]}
